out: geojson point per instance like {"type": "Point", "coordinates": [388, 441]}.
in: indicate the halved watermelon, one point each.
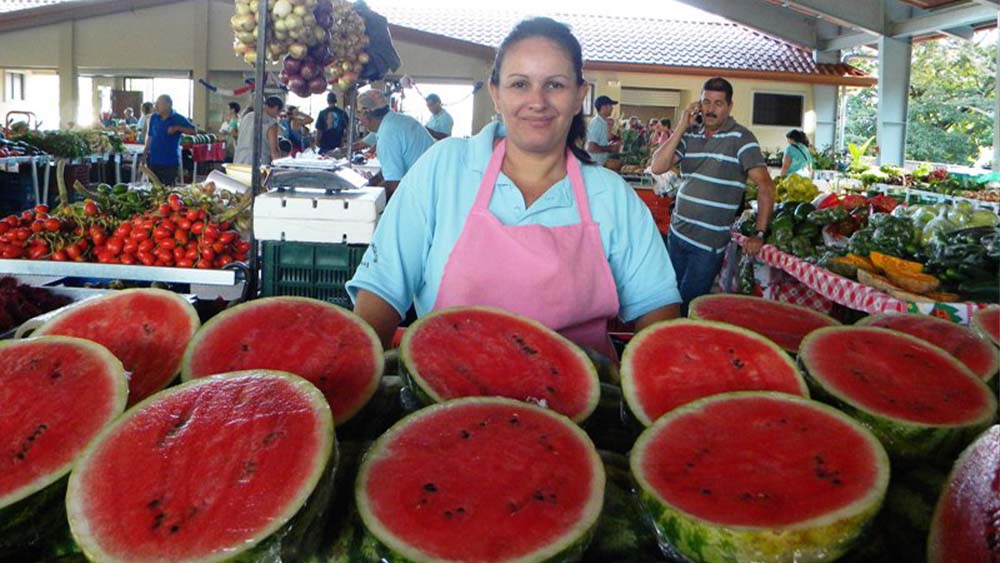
{"type": "Point", "coordinates": [783, 323]}
{"type": "Point", "coordinates": [56, 395]}
{"type": "Point", "coordinates": [965, 345]}
{"type": "Point", "coordinates": [483, 351]}
{"type": "Point", "coordinates": [759, 476]}
{"type": "Point", "coordinates": [919, 401]}
{"type": "Point", "coordinates": [987, 322]}
{"type": "Point", "coordinates": [483, 480]}
{"type": "Point", "coordinates": [328, 345]}
{"type": "Point", "coordinates": [675, 362]}
{"type": "Point", "coordinates": [228, 468]}
{"type": "Point", "coordinates": [965, 526]}
{"type": "Point", "coordinates": [147, 329]}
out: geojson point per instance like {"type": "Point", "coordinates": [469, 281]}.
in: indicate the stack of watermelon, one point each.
{"type": "Point", "coordinates": [476, 440]}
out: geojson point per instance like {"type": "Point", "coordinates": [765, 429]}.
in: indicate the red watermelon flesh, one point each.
{"type": "Point", "coordinates": [480, 479]}
{"type": "Point", "coordinates": [959, 341]}
{"type": "Point", "coordinates": [759, 460]}
{"type": "Point", "coordinates": [966, 524]}
{"type": "Point", "coordinates": [988, 321]}
{"type": "Point", "coordinates": [783, 323]}
{"type": "Point", "coordinates": [677, 362]}
{"type": "Point", "coordinates": [479, 351]}
{"type": "Point", "coordinates": [200, 469]}
{"type": "Point", "coordinates": [327, 345]}
{"type": "Point", "coordinates": [147, 329]}
{"type": "Point", "coordinates": [56, 394]}
{"type": "Point", "coordinates": [896, 375]}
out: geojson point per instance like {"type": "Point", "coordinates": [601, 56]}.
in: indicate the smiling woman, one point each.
{"type": "Point", "coordinates": [523, 223]}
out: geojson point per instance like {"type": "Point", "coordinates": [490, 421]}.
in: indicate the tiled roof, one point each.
{"type": "Point", "coordinates": [629, 40]}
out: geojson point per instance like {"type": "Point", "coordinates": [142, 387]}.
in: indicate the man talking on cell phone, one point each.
{"type": "Point", "coordinates": [716, 156]}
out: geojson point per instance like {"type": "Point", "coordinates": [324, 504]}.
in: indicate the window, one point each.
{"type": "Point", "coordinates": [784, 110]}
{"type": "Point", "coordinates": [15, 86]}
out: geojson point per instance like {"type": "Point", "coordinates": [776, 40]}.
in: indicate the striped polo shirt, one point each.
{"type": "Point", "coordinates": [714, 174]}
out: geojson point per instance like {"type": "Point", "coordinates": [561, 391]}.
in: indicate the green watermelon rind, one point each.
{"type": "Point", "coordinates": [980, 326]}
{"type": "Point", "coordinates": [428, 396]}
{"type": "Point", "coordinates": [933, 556]}
{"type": "Point", "coordinates": [217, 320]}
{"type": "Point", "coordinates": [986, 376]}
{"type": "Point", "coordinates": [261, 547]}
{"type": "Point", "coordinates": [631, 394]}
{"type": "Point", "coordinates": [16, 506]}
{"type": "Point", "coordinates": [107, 301]}
{"type": "Point", "coordinates": [568, 548]}
{"type": "Point", "coordinates": [904, 439]}
{"type": "Point", "coordinates": [693, 309]}
{"type": "Point", "coordinates": [823, 538]}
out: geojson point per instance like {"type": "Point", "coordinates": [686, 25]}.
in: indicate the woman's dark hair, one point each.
{"type": "Point", "coordinates": [665, 122]}
{"type": "Point", "coordinates": [234, 106]}
{"type": "Point", "coordinates": [798, 136]}
{"type": "Point", "coordinates": [558, 33]}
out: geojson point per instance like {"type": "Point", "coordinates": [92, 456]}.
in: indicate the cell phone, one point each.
{"type": "Point", "coordinates": [698, 118]}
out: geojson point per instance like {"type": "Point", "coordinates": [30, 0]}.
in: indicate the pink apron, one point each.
{"type": "Point", "coordinates": [558, 276]}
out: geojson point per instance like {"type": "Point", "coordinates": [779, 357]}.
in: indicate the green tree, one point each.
{"type": "Point", "coordinates": [952, 85]}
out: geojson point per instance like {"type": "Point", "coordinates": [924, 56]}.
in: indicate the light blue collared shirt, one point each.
{"type": "Point", "coordinates": [401, 141]}
{"type": "Point", "coordinates": [426, 214]}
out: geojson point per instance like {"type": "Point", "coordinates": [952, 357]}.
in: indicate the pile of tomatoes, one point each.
{"type": "Point", "coordinates": [172, 235]}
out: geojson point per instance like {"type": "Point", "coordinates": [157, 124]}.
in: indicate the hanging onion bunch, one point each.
{"type": "Point", "coordinates": [347, 46]}
{"type": "Point", "coordinates": [302, 69]}
{"type": "Point", "coordinates": [293, 27]}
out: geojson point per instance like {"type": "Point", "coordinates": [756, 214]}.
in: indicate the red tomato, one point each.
{"type": "Point", "coordinates": [224, 226]}
{"type": "Point", "coordinates": [82, 245]}
{"type": "Point", "coordinates": [4, 227]}
{"type": "Point", "coordinates": [191, 253]}
{"type": "Point", "coordinates": [184, 224]}
{"type": "Point", "coordinates": [128, 259]}
{"type": "Point", "coordinates": [198, 228]}
{"type": "Point", "coordinates": [223, 260]}
{"type": "Point", "coordinates": [22, 234]}
{"type": "Point", "coordinates": [115, 246]}
{"type": "Point", "coordinates": [208, 254]}
{"type": "Point", "coordinates": [27, 216]}
{"type": "Point", "coordinates": [146, 258]}
{"type": "Point", "coordinates": [175, 202]}
{"type": "Point", "coordinates": [218, 247]}
{"type": "Point", "coordinates": [181, 236]}
{"type": "Point", "coordinates": [166, 243]}
{"type": "Point", "coordinates": [90, 208]}
{"type": "Point", "coordinates": [243, 247]}
{"type": "Point", "coordinates": [72, 252]}
{"type": "Point", "coordinates": [52, 225]}
{"type": "Point", "coordinates": [13, 251]}
{"type": "Point", "coordinates": [164, 210]}
{"type": "Point", "coordinates": [37, 252]}
{"type": "Point", "coordinates": [204, 264]}
{"type": "Point", "coordinates": [146, 245]}
{"type": "Point", "coordinates": [130, 247]}
{"type": "Point", "coordinates": [59, 256]}
{"type": "Point", "coordinates": [185, 263]}
{"type": "Point", "coordinates": [161, 233]}
{"type": "Point", "coordinates": [140, 235]}
{"type": "Point", "coordinates": [41, 209]}
{"type": "Point", "coordinates": [38, 226]}
{"type": "Point", "coordinates": [179, 253]}
{"type": "Point", "coordinates": [191, 215]}
{"type": "Point", "coordinates": [228, 237]}
{"type": "Point", "coordinates": [168, 225]}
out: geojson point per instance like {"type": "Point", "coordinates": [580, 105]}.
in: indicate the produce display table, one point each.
{"type": "Point", "coordinates": [852, 294]}
{"type": "Point", "coordinates": [205, 152]}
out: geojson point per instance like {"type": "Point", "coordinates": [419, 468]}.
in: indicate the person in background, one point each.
{"type": "Point", "coordinates": [330, 125]}
{"type": "Point", "coordinates": [522, 222]}
{"type": "Point", "coordinates": [599, 145]}
{"type": "Point", "coordinates": [106, 120]}
{"type": "Point", "coordinates": [130, 117]}
{"type": "Point", "coordinates": [666, 131]}
{"type": "Point", "coordinates": [270, 149]}
{"type": "Point", "coordinates": [163, 140]}
{"type": "Point", "coordinates": [143, 124]}
{"type": "Point", "coordinates": [440, 124]}
{"type": "Point", "coordinates": [294, 127]}
{"type": "Point", "coordinates": [401, 139]}
{"type": "Point", "coordinates": [716, 157]}
{"type": "Point", "coordinates": [797, 159]}
{"type": "Point", "coordinates": [230, 128]}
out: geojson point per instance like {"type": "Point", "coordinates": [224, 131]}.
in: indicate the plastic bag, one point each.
{"type": "Point", "coordinates": [384, 58]}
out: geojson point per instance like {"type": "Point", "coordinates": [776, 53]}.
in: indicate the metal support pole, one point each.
{"type": "Point", "coordinates": [256, 188]}
{"type": "Point", "coordinates": [893, 97]}
{"type": "Point", "coordinates": [34, 181]}
{"type": "Point", "coordinates": [996, 108]}
{"type": "Point", "coordinates": [350, 103]}
{"type": "Point", "coordinates": [45, 182]}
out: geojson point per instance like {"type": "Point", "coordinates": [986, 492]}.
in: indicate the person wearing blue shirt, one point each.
{"type": "Point", "coordinates": [163, 140]}
{"type": "Point", "coordinates": [330, 125]}
{"type": "Point", "coordinates": [797, 159]}
{"type": "Point", "coordinates": [401, 139]}
{"type": "Point", "coordinates": [599, 145]}
{"type": "Point", "coordinates": [525, 222]}
{"type": "Point", "coordinates": [440, 124]}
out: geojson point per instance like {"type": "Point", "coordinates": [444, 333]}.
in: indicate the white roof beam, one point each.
{"type": "Point", "coordinates": [863, 15]}
{"type": "Point", "coordinates": [945, 18]}
{"type": "Point", "coordinates": [766, 17]}
{"type": "Point", "coordinates": [847, 41]}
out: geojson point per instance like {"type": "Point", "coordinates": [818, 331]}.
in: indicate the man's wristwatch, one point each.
{"type": "Point", "coordinates": [760, 234]}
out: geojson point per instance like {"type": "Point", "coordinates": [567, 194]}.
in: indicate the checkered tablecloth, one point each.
{"type": "Point", "coordinates": [852, 294]}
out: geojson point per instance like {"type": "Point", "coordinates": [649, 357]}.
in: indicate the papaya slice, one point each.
{"type": "Point", "coordinates": [860, 262]}
{"type": "Point", "coordinates": [913, 281]}
{"type": "Point", "coordinates": [888, 263]}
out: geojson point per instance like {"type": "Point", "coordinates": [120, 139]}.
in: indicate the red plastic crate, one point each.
{"type": "Point", "coordinates": [659, 207]}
